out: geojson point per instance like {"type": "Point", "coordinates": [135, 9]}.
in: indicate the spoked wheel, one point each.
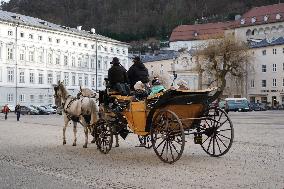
{"type": "Point", "coordinates": [219, 132]}
{"type": "Point", "coordinates": [167, 136]}
{"type": "Point", "coordinates": [145, 141]}
{"type": "Point", "coordinates": [104, 136]}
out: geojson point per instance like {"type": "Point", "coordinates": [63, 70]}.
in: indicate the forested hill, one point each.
{"type": "Point", "coordinates": [129, 20]}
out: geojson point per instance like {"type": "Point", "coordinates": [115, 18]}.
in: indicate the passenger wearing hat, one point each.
{"type": "Point", "coordinates": [157, 87]}
{"type": "Point", "coordinates": [117, 75]}
{"type": "Point", "coordinates": [137, 72]}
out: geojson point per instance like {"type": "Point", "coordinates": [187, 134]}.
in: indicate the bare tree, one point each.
{"type": "Point", "coordinates": [224, 57]}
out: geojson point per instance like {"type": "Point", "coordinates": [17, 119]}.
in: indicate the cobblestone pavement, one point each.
{"type": "Point", "coordinates": [32, 156]}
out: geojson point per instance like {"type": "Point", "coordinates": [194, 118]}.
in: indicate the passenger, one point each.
{"type": "Point", "coordinates": [157, 87]}
{"type": "Point", "coordinates": [140, 91]}
{"type": "Point", "coordinates": [182, 85]}
{"type": "Point", "coordinates": [117, 77]}
{"type": "Point", "coordinates": [137, 72]}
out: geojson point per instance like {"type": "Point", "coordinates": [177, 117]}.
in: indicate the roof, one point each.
{"type": "Point", "coordinates": [266, 42]}
{"type": "Point", "coordinates": [259, 14]}
{"type": "Point", "coordinates": [39, 23]}
{"type": "Point", "coordinates": [200, 31]}
{"type": "Point", "coordinates": [163, 55]}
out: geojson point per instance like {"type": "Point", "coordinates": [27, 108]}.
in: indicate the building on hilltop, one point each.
{"type": "Point", "coordinates": [34, 54]}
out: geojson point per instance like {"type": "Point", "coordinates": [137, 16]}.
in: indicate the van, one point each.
{"type": "Point", "coordinates": [238, 104]}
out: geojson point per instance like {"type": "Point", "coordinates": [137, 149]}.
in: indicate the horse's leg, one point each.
{"type": "Point", "coordinates": [85, 125]}
{"type": "Point", "coordinates": [116, 136]}
{"type": "Point", "coordinates": [75, 133]}
{"type": "Point", "coordinates": [66, 121]}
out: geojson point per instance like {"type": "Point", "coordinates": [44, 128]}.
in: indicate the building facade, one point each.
{"type": "Point", "coordinates": [35, 54]}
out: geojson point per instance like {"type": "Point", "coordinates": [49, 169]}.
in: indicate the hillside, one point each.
{"type": "Point", "coordinates": [129, 20]}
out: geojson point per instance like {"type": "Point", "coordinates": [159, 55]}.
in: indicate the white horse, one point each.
{"type": "Point", "coordinates": [83, 110]}
{"type": "Point", "coordinates": [85, 92]}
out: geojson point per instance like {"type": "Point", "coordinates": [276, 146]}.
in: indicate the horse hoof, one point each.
{"type": "Point", "coordinates": [84, 146]}
{"type": "Point", "coordinates": [93, 141]}
{"type": "Point", "coordinates": [74, 144]}
{"type": "Point", "coordinates": [64, 142]}
{"type": "Point", "coordinates": [117, 145]}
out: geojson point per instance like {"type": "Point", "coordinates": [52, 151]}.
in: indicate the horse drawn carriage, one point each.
{"type": "Point", "coordinates": [162, 122]}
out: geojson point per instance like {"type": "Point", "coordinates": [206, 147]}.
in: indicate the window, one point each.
{"type": "Point", "coordinates": [263, 68]}
{"type": "Point", "coordinates": [274, 51]}
{"type": "Point", "coordinates": [32, 77]}
{"type": "Point", "coordinates": [31, 56]}
{"type": "Point", "coordinates": [22, 98]}
{"type": "Point", "coordinates": [22, 35]}
{"type": "Point", "coordinates": [263, 52]}
{"type": "Point", "coordinates": [86, 80]}
{"type": "Point", "coordinates": [32, 98]}
{"type": "Point", "coordinates": [58, 76]}
{"type": "Point", "coordinates": [283, 82]}
{"type": "Point", "coordinates": [10, 33]}
{"type": "Point", "coordinates": [99, 48]}
{"type": "Point", "coordinates": [73, 79]}
{"type": "Point", "coordinates": [123, 51]}
{"type": "Point", "coordinates": [49, 78]}
{"type": "Point", "coordinates": [31, 36]}
{"type": "Point", "coordinates": [10, 75]}
{"type": "Point", "coordinates": [73, 43]}
{"type": "Point", "coordinates": [66, 78]}
{"type": "Point", "coordinates": [80, 81]}
{"type": "Point", "coordinates": [85, 45]}
{"type": "Point", "coordinates": [57, 59]}
{"type": "Point", "coordinates": [94, 81]}
{"type": "Point", "coordinates": [92, 46]}
{"type": "Point", "coordinates": [79, 62]}
{"type": "Point", "coordinates": [105, 49]}
{"type": "Point", "coordinates": [40, 38]}
{"type": "Point", "coordinates": [50, 97]}
{"type": "Point", "coordinates": [263, 83]}
{"type": "Point", "coordinates": [274, 83]}
{"type": "Point", "coordinates": [274, 67]}
{"type": "Point", "coordinates": [99, 64]}
{"type": "Point", "coordinates": [79, 44]}
{"type": "Point", "coordinates": [40, 56]}
{"type": "Point", "coordinates": [22, 77]}
{"type": "Point", "coordinates": [22, 55]}
{"type": "Point", "coordinates": [252, 83]}
{"type": "Point", "coordinates": [10, 53]}
{"type": "Point", "coordinates": [10, 97]}
{"type": "Point", "coordinates": [105, 64]}
{"type": "Point", "coordinates": [92, 63]}
{"type": "Point", "coordinates": [111, 49]}
{"type": "Point", "coordinates": [66, 60]}
{"type": "Point", "coordinates": [40, 78]}
{"type": "Point", "coordinates": [57, 40]}
{"type": "Point", "coordinates": [73, 61]}
{"type": "Point", "coordinates": [117, 51]}
{"type": "Point", "coordinates": [49, 58]}
{"type": "Point", "coordinates": [66, 42]}
{"type": "Point", "coordinates": [40, 98]}
{"type": "Point", "coordinates": [50, 39]}
{"type": "Point", "coordinates": [99, 81]}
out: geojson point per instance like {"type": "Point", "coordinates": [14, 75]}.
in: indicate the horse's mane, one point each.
{"type": "Point", "coordinates": [87, 92]}
{"type": "Point", "coordinates": [63, 90]}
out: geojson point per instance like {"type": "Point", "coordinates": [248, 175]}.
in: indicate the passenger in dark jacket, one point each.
{"type": "Point", "coordinates": [137, 72]}
{"type": "Point", "coordinates": [117, 77]}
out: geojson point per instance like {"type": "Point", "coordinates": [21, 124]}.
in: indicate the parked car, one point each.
{"type": "Point", "coordinates": [49, 109]}
{"type": "Point", "coordinates": [28, 110]}
{"type": "Point", "coordinates": [258, 107]}
{"type": "Point", "coordinates": [238, 104]}
{"type": "Point", "coordinates": [41, 110]}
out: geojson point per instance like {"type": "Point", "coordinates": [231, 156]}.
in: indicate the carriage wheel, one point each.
{"type": "Point", "coordinates": [104, 136]}
{"type": "Point", "coordinates": [167, 136]}
{"type": "Point", "coordinates": [145, 141]}
{"type": "Point", "coordinates": [219, 132]}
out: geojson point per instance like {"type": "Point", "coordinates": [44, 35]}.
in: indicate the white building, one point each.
{"type": "Point", "coordinates": [34, 54]}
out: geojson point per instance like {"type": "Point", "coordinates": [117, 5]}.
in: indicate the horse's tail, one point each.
{"type": "Point", "coordinates": [94, 111]}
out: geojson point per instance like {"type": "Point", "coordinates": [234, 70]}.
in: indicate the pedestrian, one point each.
{"type": "Point", "coordinates": [18, 111]}
{"type": "Point", "coordinates": [6, 111]}
{"type": "Point", "coordinates": [137, 72]}
{"type": "Point", "coordinates": [226, 107]}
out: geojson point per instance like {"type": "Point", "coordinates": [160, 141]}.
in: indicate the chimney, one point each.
{"type": "Point", "coordinates": [79, 27]}
{"type": "Point", "coordinates": [93, 30]}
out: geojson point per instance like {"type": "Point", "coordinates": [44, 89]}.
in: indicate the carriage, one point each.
{"type": "Point", "coordinates": [162, 122]}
